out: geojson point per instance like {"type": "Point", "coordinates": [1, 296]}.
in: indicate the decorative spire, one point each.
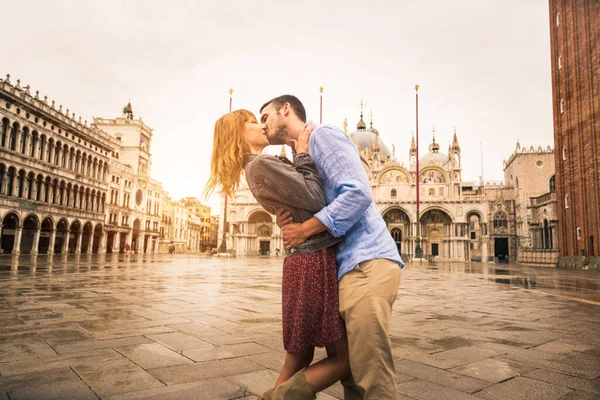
{"type": "Point", "coordinates": [346, 125]}
{"type": "Point", "coordinates": [7, 80]}
{"type": "Point", "coordinates": [413, 145]}
{"type": "Point", "coordinates": [128, 111]}
{"type": "Point", "coordinates": [37, 94]}
{"type": "Point", "coordinates": [18, 84]}
{"type": "Point", "coordinates": [455, 145]}
{"type": "Point", "coordinates": [361, 126]}
{"type": "Point", "coordinates": [376, 145]}
{"type": "Point", "coordinates": [371, 123]}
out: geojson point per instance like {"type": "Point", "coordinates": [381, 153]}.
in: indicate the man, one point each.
{"type": "Point", "coordinates": [369, 266]}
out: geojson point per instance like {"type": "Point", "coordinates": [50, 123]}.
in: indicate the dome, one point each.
{"type": "Point", "coordinates": [434, 156]}
{"type": "Point", "coordinates": [366, 139]}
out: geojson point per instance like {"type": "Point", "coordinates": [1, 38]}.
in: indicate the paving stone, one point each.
{"type": "Point", "coordinates": [581, 396]}
{"type": "Point", "coordinates": [55, 362]}
{"type": "Point", "coordinates": [425, 390]}
{"type": "Point", "coordinates": [449, 379]}
{"type": "Point", "coordinates": [524, 388]}
{"type": "Point", "coordinates": [256, 382]}
{"type": "Point", "coordinates": [272, 360]}
{"type": "Point", "coordinates": [179, 341]}
{"type": "Point", "coordinates": [57, 391]}
{"type": "Point", "coordinates": [217, 389]}
{"type": "Point", "coordinates": [228, 351]}
{"type": "Point", "coordinates": [32, 380]}
{"type": "Point", "coordinates": [565, 380]}
{"type": "Point", "coordinates": [152, 355]}
{"type": "Point", "coordinates": [494, 369]}
{"type": "Point", "coordinates": [25, 349]}
{"type": "Point", "coordinates": [101, 344]}
{"type": "Point", "coordinates": [64, 336]}
{"type": "Point", "coordinates": [115, 377]}
{"type": "Point", "coordinates": [206, 370]}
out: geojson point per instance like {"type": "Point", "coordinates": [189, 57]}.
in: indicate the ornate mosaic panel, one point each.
{"type": "Point", "coordinates": [393, 176]}
{"type": "Point", "coordinates": [432, 176]}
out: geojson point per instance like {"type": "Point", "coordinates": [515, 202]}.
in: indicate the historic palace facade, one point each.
{"type": "Point", "coordinates": [459, 221]}
{"type": "Point", "coordinates": [69, 187]}
{"type": "Point", "coordinates": [53, 176]}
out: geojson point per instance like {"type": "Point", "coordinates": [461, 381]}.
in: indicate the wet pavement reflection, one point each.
{"type": "Point", "coordinates": [181, 327]}
{"type": "Point", "coordinates": [576, 284]}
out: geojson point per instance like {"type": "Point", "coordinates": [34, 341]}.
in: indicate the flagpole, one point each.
{"type": "Point", "coordinates": [223, 246]}
{"type": "Point", "coordinates": [321, 106]}
{"type": "Point", "coordinates": [418, 250]}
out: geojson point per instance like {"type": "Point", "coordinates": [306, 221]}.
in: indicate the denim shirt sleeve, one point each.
{"type": "Point", "coordinates": [340, 164]}
{"type": "Point", "coordinates": [297, 185]}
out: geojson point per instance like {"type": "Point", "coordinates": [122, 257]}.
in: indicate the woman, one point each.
{"type": "Point", "coordinates": [309, 283]}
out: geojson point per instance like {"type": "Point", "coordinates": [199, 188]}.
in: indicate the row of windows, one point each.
{"type": "Point", "coordinates": [48, 150]}
{"type": "Point", "coordinates": [48, 190]}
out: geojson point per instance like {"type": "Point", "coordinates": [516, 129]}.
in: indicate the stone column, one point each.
{"type": "Point", "coordinates": [140, 243]}
{"type": "Point", "coordinates": [65, 244]}
{"type": "Point", "coordinates": [484, 249]}
{"type": "Point", "coordinates": [17, 246]}
{"type": "Point", "coordinates": [116, 242]}
{"type": "Point", "coordinates": [89, 244]}
{"type": "Point", "coordinates": [130, 238]}
{"type": "Point", "coordinates": [103, 240]}
{"type": "Point", "coordinates": [36, 241]}
{"type": "Point", "coordinates": [78, 241]}
{"type": "Point", "coordinates": [51, 242]}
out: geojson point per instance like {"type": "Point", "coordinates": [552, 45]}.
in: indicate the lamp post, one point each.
{"type": "Point", "coordinates": [418, 250]}
{"type": "Point", "coordinates": [223, 246]}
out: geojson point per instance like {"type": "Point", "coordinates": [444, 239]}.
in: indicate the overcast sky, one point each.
{"type": "Point", "coordinates": [483, 66]}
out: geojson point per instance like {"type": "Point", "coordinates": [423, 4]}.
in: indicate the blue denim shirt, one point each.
{"type": "Point", "coordinates": [350, 209]}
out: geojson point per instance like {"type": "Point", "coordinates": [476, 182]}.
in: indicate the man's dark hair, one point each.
{"type": "Point", "coordinates": [295, 104]}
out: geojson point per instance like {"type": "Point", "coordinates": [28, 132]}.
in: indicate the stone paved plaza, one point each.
{"type": "Point", "coordinates": [182, 327]}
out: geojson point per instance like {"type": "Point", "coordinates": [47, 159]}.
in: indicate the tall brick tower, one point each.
{"type": "Point", "coordinates": [575, 54]}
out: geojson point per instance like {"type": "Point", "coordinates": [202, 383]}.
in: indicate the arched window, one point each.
{"type": "Point", "coordinates": [500, 220]}
{"type": "Point", "coordinates": [393, 193]}
{"type": "Point", "coordinates": [553, 184]}
{"type": "Point", "coordinates": [547, 236]}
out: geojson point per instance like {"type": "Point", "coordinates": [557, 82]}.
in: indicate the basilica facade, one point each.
{"type": "Point", "coordinates": [458, 220]}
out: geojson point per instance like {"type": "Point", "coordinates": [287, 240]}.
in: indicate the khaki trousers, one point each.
{"type": "Point", "coordinates": [367, 294]}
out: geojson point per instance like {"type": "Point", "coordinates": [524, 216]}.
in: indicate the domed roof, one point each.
{"type": "Point", "coordinates": [366, 139]}
{"type": "Point", "coordinates": [434, 156]}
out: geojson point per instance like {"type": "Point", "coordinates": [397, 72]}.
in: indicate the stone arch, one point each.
{"type": "Point", "coordinates": [97, 237]}
{"type": "Point", "coordinates": [31, 224]}
{"type": "Point", "coordinates": [74, 235]}
{"type": "Point", "coordinates": [46, 230]}
{"type": "Point", "coordinates": [11, 178]}
{"type": "Point", "coordinates": [86, 237]}
{"type": "Point", "coordinates": [10, 224]}
{"type": "Point", "coordinates": [260, 215]}
{"type": "Point", "coordinates": [21, 182]}
{"type": "Point", "coordinates": [436, 224]}
{"type": "Point", "coordinates": [43, 147]}
{"type": "Point", "coordinates": [23, 144]}
{"type": "Point", "coordinates": [438, 208]}
{"type": "Point", "coordinates": [39, 186]}
{"type": "Point", "coordinates": [14, 134]}
{"type": "Point", "coordinates": [30, 186]}
{"type": "Point", "coordinates": [393, 176]}
{"type": "Point", "coordinates": [4, 127]}
{"type": "Point", "coordinates": [3, 177]}
{"type": "Point", "coordinates": [62, 236]}
{"type": "Point", "coordinates": [33, 144]}
{"type": "Point", "coordinates": [433, 175]}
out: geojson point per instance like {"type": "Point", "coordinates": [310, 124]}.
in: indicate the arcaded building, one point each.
{"type": "Point", "coordinates": [53, 176]}
{"type": "Point", "coordinates": [575, 51]}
